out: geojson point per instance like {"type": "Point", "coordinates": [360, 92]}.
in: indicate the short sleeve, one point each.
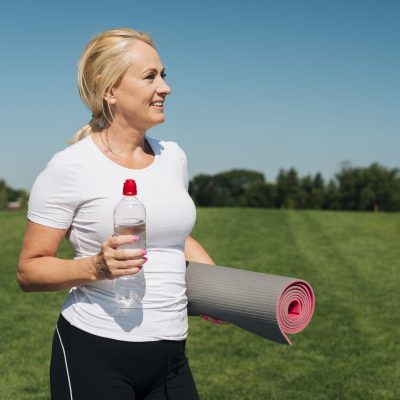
{"type": "Point", "coordinates": [184, 167]}
{"type": "Point", "coordinates": [56, 193]}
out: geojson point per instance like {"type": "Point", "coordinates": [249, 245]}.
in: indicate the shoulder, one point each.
{"type": "Point", "coordinates": [70, 157]}
{"type": "Point", "coordinates": [58, 190]}
{"type": "Point", "coordinates": [74, 151]}
{"type": "Point", "coordinates": [65, 167]}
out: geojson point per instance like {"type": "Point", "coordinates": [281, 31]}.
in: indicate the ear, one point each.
{"type": "Point", "coordinates": [109, 96]}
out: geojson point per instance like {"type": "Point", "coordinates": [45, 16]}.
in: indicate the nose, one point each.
{"type": "Point", "coordinates": [163, 88]}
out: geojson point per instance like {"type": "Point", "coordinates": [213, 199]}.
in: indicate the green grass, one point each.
{"type": "Point", "coordinates": [351, 349]}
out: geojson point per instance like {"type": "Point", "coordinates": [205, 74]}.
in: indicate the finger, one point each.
{"type": "Point", "coordinates": [116, 266]}
{"type": "Point", "coordinates": [116, 241]}
{"type": "Point", "coordinates": [128, 254]}
{"type": "Point", "coordinates": [130, 271]}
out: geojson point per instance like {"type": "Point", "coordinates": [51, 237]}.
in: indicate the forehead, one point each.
{"type": "Point", "coordinates": [143, 57]}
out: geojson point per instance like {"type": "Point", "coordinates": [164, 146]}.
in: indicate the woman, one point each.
{"type": "Point", "coordinates": [99, 353]}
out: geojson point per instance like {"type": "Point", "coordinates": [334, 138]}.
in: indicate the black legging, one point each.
{"type": "Point", "coordinates": [89, 367]}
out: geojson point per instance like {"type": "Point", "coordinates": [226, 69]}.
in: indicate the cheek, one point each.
{"type": "Point", "coordinates": [138, 95]}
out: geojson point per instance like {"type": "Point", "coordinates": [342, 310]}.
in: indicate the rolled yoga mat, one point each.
{"type": "Point", "coordinates": [270, 306]}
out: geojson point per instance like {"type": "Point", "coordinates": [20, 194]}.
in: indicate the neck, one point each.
{"type": "Point", "coordinates": [123, 140]}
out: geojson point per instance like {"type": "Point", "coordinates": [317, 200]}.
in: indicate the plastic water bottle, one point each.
{"type": "Point", "coordinates": [130, 219]}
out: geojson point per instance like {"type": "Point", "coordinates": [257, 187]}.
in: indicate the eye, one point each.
{"type": "Point", "coordinates": [153, 75]}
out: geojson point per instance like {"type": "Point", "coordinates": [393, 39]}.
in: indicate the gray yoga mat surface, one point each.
{"type": "Point", "coordinates": [270, 306]}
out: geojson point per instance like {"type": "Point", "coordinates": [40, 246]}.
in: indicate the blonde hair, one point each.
{"type": "Point", "coordinates": [102, 64]}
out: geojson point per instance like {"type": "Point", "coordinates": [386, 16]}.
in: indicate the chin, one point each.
{"type": "Point", "coordinates": [156, 122]}
{"type": "Point", "coordinates": [159, 120]}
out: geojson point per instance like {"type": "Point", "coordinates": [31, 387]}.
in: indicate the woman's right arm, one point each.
{"type": "Point", "coordinates": [40, 270]}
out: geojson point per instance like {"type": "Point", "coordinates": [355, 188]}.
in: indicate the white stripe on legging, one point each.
{"type": "Point", "coordinates": [66, 365]}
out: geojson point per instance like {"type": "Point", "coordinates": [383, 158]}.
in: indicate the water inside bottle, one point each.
{"type": "Point", "coordinates": [130, 290]}
{"type": "Point", "coordinates": [135, 227]}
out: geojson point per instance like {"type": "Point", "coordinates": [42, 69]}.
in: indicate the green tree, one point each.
{"type": "Point", "coordinates": [3, 194]}
{"type": "Point", "coordinates": [332, 196]}
{"type": "Point", "coordinates": [201, 190]}
{"type": "Point", "coordinates": [311, 192]}
{"type": "Point", "coordinates": [226, 189]}
{"type": "Point", "coordinates": [288, 189]}
{"type": "Point", "coordinates": [318, 191]}
{"type": "Point", "coordinates": [8, 194]}
{"type": "Point", "coordinates": [260, 194]}
{"type": "Point", "coordinates": [232, 185]}
{"type": "Point", "coordinates": [350, 183]}
{"type": "Point", "coordinates": [304, 197]}
{"type": "Point", "coordinates": [372, 188]}
{"type": "Point", "coordinates": [381, 190]}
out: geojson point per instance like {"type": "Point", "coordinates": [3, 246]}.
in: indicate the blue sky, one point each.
{"type": "Point", "coordinates": [260, 85]}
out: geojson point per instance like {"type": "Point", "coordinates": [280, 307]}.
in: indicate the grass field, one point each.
{"type": "Point", "coordinates": [350, 350]}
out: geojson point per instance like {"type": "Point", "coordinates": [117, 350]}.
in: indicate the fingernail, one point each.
{"type": "Point", "coordinates": [143, 252]}
{"type": "Point", "coordinates": [140, 266]}
{"type": "Point", "coordinates": [145, 259]}
{"type": "Point", "coordinates": [135, 238]}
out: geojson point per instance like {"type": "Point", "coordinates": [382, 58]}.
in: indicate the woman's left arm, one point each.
{"type": "Point", "coordinates": [195, 252]}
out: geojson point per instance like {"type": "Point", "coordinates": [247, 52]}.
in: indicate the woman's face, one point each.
{"type": "Point", "coordinates": [139, 96]}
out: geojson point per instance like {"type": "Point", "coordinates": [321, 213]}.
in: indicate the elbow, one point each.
{"type": "Point", "coordinates": [24, 278]}
{"type": "Point", "coordinates": [23, 282]}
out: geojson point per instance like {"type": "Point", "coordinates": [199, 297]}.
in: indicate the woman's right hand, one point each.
{"type": "Point", "coordinates": [112, 262]}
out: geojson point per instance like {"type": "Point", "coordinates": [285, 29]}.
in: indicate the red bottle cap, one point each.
{"type": "Point", "coordinates": [129, 188]}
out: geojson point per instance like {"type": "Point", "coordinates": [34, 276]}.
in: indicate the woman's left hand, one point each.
{"type": "Point", "coordinates": [214, 320]}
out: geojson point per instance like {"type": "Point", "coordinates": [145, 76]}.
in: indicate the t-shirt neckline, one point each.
{"type": "Point", "coordinates": [104, 157]}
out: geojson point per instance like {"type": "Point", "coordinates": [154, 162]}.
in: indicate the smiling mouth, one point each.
{"type": "Point", "coordinates": [157, 104]}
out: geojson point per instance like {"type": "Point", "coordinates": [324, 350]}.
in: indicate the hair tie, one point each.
{"type": "Point", "coordinates": [98, 123]}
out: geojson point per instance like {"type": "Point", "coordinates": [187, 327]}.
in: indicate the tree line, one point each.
{"type": "Point", "coordinates": [374, 188]}
{"type": "Point", "coordinates": [8, 194]}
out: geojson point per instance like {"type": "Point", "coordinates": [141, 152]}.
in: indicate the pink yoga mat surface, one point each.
{"type": "Point", "coordinates": [270, 306]}
{"type": "Point", "coordinates": [295, 308]}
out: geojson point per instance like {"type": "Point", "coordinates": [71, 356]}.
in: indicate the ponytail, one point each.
{"type": "Point", "coordinates": [81, 134]}
{"type": "Point", "coordinates": [97, 124]}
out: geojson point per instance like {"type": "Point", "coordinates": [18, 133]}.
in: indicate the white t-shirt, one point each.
{"type": "Point", "coordinates": [78, 190]}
